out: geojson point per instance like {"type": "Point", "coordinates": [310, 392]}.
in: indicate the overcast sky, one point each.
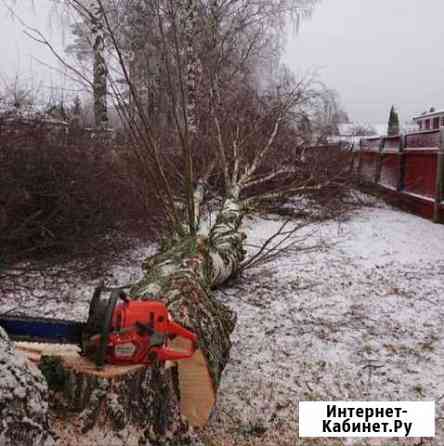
{"type": "Point", "coordinates": [31, 62]}
{"type": "Point", "coordinates": [374, 53]}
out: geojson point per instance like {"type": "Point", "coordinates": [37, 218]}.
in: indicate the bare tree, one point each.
{"type": "Point", "coordinates": [92, 15]}
{"type": "Point", "coordinates": [224, 135]}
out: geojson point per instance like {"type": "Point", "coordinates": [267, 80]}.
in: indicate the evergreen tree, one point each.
{"type": "Point", "coordinates": [393, 123]}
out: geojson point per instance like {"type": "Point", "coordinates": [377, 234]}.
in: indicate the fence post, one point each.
{"type": "Point", "coordinates": [439, 195]}
{"type": "Point", "coordinates": [379, 160]}
{"type": "Point", "coordinates": [358, 173]}
{"type": "Point", "coordinates": [402, 145]}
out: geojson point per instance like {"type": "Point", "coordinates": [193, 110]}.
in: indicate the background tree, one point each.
{"type": "Point", "coordinates": [325, 114]}
{"type": "Point", "coordinates": [363, 130]}
{"type": "Point", "coordinates": [393, 123]}
{"type": "Point", "coordinates": [90, 43]}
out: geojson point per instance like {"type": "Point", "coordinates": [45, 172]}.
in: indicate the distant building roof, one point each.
{"type": "Point", "coordinates": [430, 114]}
{"type": "Point", "coordinates": [346, 129]}
{"type": "Point", "coordinates": [28, 114]}
{"type": "Point", "coordinates": [350, 129]}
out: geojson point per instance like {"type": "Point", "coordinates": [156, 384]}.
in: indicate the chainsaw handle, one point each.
{"type": "Point", "coordinates": [95, 299]}
{"type": "Point", "coordinates": [105, 329]}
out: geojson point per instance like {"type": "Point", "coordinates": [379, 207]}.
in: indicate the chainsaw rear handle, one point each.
{"type": "Point", "coordinates": [99, 289]}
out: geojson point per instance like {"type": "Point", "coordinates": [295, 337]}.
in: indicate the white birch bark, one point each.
{"type": "Point", "coordinates": [183, 276]}
{"type": "Point", "coordinates": [100, 68]}
{"type": "Point", "coordinates": [192, 68]}
{"type": "Point", "coordinates": [23, 400]}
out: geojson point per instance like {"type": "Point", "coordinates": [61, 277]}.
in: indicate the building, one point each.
{"type": "Point", "coordinates": [431, 120]}
{"type": "Point", "coordinates": [351, 133]}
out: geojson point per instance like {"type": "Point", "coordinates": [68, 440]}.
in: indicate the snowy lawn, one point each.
{"type": "Point", "coordinates": [359, 319]}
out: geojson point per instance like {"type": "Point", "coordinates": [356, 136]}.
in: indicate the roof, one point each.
{"type": "Point", "coordinates": [426, 115]}
{"type": "Point", "coordinates": [28, 114]}
{"type": "Point", "coordinates": [349, 129]}
{"type": "Point", "coordinates": [346, 129]}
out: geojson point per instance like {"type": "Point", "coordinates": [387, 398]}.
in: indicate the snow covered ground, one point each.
{"type": "Point", "coordinates": [359, 319]}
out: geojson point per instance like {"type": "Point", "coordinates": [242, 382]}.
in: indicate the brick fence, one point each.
{"type": "Point", "coordinates": [409, 169]}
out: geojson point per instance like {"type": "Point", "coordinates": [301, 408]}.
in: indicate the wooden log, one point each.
{"type": "Point", "coordinates": [182, 278]}
{"type": "Point", "coordinates": [23, 400]}
{"type": "Point", "coordinates": [194, 379]}
{"type": "Point", "coordinates": [197, 396]}
{"type": "Point", "coordinates": [137, 402]}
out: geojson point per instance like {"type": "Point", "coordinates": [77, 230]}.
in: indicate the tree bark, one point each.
{"type": "Point", "coordinates": [133, 405]}
{"type": "Point", "coordinates": [100, 68]}
{"type": "Point", "coordinates": [23, 400]}
{"type": "Point", "coordinates": [183, 275]}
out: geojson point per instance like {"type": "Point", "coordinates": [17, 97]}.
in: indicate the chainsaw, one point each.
{"type": "Point", "coordinates": [119, 331]}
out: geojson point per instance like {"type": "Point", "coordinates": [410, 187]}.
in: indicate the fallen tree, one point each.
{"type": "Point", "coordinates": [240, 143]}
{"type": "Point", "coordinates": [156, 405]}
{"type": "Point", "coordinates": [151, 401]}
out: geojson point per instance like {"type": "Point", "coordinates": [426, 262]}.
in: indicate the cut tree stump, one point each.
{"type": "Point", "coordinates": [194, 383]}
{"type": "Point", "coordinates": [35, 350]}
{"type": "Point", "coordinates": [138, 402]}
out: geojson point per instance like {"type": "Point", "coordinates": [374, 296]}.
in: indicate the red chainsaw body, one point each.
{"type": "Point", "coordinates": [140, 331]}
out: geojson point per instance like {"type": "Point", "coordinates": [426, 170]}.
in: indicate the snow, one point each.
{"type": "Point", "coordinates": [23, 399]}
{"type": "Point", "coordinates": [359, 318]}
{"type": "Point", "coordinates": [62, 294]}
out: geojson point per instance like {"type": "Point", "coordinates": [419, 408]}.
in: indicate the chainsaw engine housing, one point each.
{"type": "Point", "coordinates": [132, 332]}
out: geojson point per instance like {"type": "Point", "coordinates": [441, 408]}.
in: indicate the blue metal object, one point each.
{"type": "Point", "coordinates": [24, 328]}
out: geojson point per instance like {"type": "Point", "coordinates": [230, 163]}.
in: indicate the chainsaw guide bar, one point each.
{"type": "Point", "coordinates": [42, 329]}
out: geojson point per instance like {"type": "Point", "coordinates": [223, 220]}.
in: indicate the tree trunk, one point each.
{"type": "Point", "coordinates": [154, 405]}
{"type": "Point", "coordinates": [23, 400]}
{"type": "Point", "coordinates": [182, 277]}
{"type": "Point", "coordinates": [100, 68]}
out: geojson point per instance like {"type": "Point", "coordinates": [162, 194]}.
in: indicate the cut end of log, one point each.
{"type": "Point", "coordinates": [71, 358]}
{"type": "Point", "coordinates": [197, 396]}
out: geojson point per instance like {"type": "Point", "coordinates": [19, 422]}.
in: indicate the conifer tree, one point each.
{"type": "Point", "coordinates": [393, 123]}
